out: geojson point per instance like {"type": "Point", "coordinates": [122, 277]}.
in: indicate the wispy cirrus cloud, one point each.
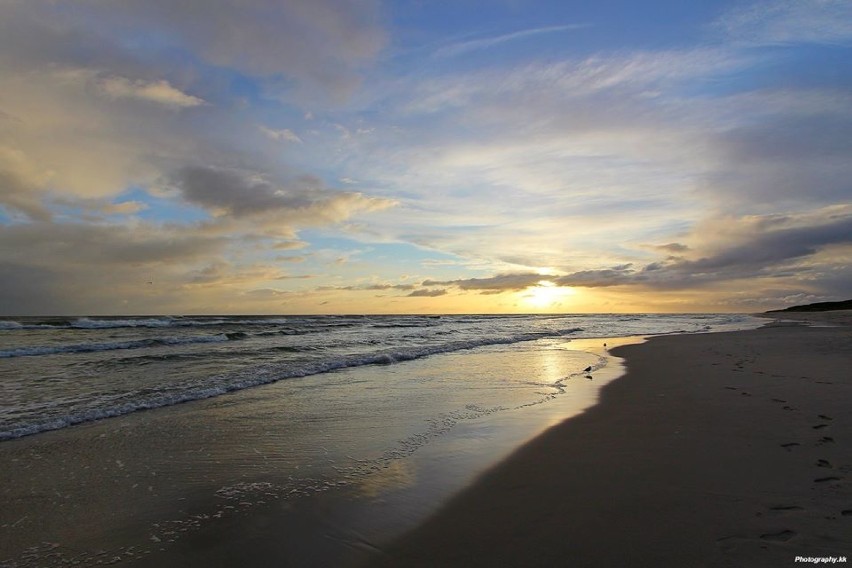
{"type": "Point", "coordinates": [468, 46]}
{"type": "Point", "coordinates": [785, 22]}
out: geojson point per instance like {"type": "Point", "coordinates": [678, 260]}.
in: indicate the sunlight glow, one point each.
{"type": "Point", "coordinates": [545, 295]}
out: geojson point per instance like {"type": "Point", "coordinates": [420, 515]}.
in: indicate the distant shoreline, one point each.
{"type": "Point", "coordinates": [817, 307]}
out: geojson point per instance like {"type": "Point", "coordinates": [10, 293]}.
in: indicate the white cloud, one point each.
{"type": "Point", "coordinates": [284, 134]}
{"type": "Point", "coordinates": [160, 92]}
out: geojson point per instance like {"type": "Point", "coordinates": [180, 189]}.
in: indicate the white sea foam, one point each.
{"type": "Point", "coordinates": [221, 384]}
{"type": "Point", "coordinates": [85, 388]}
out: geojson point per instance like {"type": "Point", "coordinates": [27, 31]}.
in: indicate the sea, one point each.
{"type": "Point", "coordinates": [315, 440]}
{"type": "Point", "coordinates": [56, 372]}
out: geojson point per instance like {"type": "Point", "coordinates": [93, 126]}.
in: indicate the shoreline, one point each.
{"type": "Point", "coordinates": [748, 464]}
{"type": "Point", "coordinates": [231, 482]}
{"type": "Point", "coordinates": [219, 493]}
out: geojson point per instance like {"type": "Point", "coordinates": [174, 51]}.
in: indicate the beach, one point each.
{"type": "Point", "coordinates": [730, 449]}
{"type": "Point", "coordinates": [304, 441]}
{"type": "Point", "coordinates": [714, 449]}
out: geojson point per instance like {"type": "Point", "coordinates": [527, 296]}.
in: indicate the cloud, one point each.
{"type": "Point", "coordinates": [374, 287]}
{"type": "Point", "coordinates": [769, 241]}
{"type": "Point", "coordinates": [67, 141]}
{"type": "Point", "coordinates": [753, 247]}
{"type": "Point", "coordinates": [781, 22]}
{"type": "Point", "coordinates": [485, 43]}
{"type": "Point", "coordinates": [77, 245]}
{"type": "Point", "coordinates": [284, 134]}
{"type": "Point", "coordinates": [566, 81]}
{"type": "Point", "coordinates": [319, 44]}
{"type": "Point", "coordinates": [499, 283]}
{"type": "Point", "coordinates": [673, 248]}
{"type": "Point", "coordinates": [267, 293]}
{"type": "Point", "coordinates": [534, 169]}
{"type": "Point", "coordinates": [87, 268]}
{"type": "Point", "coordinates": [797, 250]}
{"type": "Point", "coordinates": [570, 164]}
{"type": "Point", "coordinates": [242, 194]}
{"type": "Point", "coordinates": [783, 150]}
{"type": "Point", "coordinates": [600, 278]}
{"type": "Point", "coordinates": [17, 191]}
{"type": "Point", "coordinates": [425, 293]}
{"type": "Point", "coordinates": [29, 290]}
{"type": "Point", "coordinates": [160, 92]}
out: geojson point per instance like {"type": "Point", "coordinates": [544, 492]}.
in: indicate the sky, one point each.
{"type": "Point", "coordinates": [422, 156]}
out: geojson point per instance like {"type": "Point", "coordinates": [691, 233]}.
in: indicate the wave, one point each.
{"type": "Point", "coordinates": [171, 321]}
{"type": "Point", "coordinates": [222, 384]}
{"type": "Point", "coordinates": [114, 345]}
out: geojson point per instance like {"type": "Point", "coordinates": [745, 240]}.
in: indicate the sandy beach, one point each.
{"type": "Point", "coordinates": [730, 449]}
{"type": "Point", "coordinates": [716, 449]}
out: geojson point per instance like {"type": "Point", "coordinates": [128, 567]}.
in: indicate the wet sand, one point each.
{"type": "Point", "coordinates": [323, 471]}
{"type": "Point", "coordinates": [714, 450]}
{"type": "Point", "coordinates": [731, 449]}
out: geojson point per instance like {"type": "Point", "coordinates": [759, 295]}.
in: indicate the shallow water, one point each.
{"type": "Point", "coordinates": [57, 372]}
{"type": "Point", "coordinates": [374, 447]}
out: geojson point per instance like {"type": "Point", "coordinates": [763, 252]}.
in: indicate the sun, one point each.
{"type": "Point", "coordinates": [545, 295]}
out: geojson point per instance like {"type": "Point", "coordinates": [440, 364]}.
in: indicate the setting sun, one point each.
{"type": "Point", "coordinates": [545, 295]}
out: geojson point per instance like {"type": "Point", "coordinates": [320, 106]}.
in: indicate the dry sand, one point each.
{"type": "Point", "coordinates": [730, 449]}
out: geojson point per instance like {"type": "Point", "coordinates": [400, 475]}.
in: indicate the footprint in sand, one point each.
{"type": "Point", "coordinates": [820, 426]}
{"type": "Point", "coordinates": [786, 508]}
{"type": "Point", "coordinates": [825, 440]}
{"type": "Point", "coordinates": [826, 479]}
{"type": "Point", "coordinates": [824, 463]}
{"type": "Point", "coordinates": [789, 445]}
{"type": "Point", "coordinates": [846, 512]}
{"type": "Point", "coordinates": [781, 536]}
{"type": "Point", "coordinates": [824, 417]}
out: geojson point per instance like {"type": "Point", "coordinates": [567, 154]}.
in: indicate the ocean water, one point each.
{"type": "Point", "coordinates": [57, 372]}
{"type": "Point", "coordinates": [336, 431]}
